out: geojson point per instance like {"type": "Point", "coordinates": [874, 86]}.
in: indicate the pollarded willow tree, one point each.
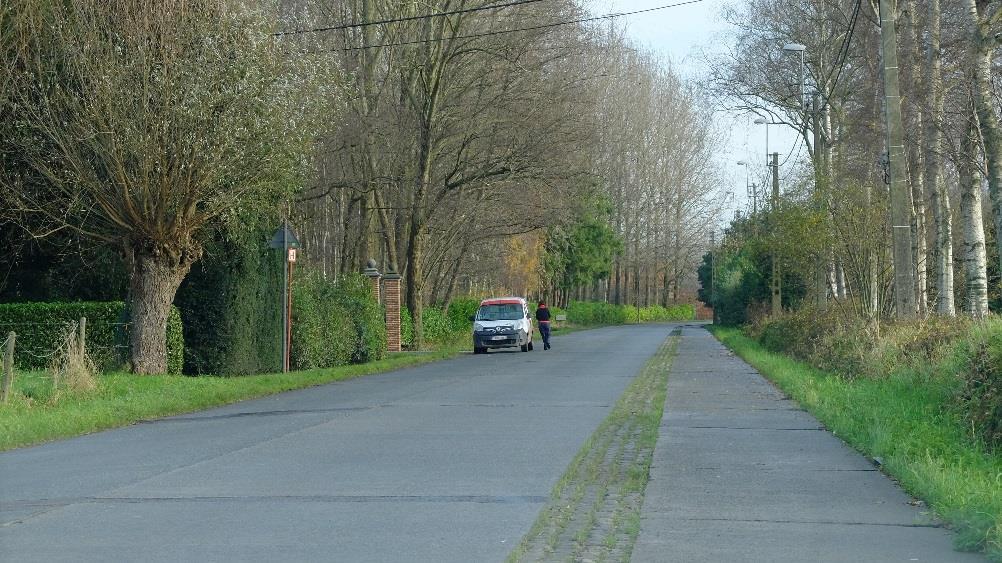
{"type": "Point", "coordinates": [141, 123]}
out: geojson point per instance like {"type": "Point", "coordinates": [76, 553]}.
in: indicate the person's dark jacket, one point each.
{"type": "Point", "coordinates": [543, 314]}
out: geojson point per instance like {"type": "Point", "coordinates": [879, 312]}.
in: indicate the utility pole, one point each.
{"type": "Point", "coordinates": [713, 267]}
{"type": "Point", "coordinates": [777, 291]}
{"type": "Point", "coordinates": [901, 235]}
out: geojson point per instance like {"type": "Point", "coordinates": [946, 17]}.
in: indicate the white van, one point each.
{"type": "Point", "coordinates": [502, 322]}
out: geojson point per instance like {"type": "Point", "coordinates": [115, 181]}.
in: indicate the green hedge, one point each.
{"type": "Point", "coordinates": [231, 303]}
{"type": "Point", "coordinates": [335, 324]}
{"type": "Point", "coordinates": [40, 326]}
{"type": "Point", "coordinates": [589, 313]}
{"type": "Point", "coordinates": [440, 327]}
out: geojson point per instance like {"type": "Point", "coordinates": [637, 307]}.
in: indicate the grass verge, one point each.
{"type": "Point", "coordinates": [904, 420]}
{"type": "Point", "coordinates": [32, 416]}
{"type": "Point", "coordinates": [594, 509]}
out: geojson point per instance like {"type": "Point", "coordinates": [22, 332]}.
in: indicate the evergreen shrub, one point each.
{"type": "Point", "coordinates": [335, 323]}
{"type": "Point", "coordinates": [231, 303]}
{"type": "Point", "coordinates": [460, 311]}
{"type": "Point", "coordinates": [354, 293]}
{"type": "Point", "coordinates": [406, 327]}
{"type": "Point", "coordinates": [589, 313]}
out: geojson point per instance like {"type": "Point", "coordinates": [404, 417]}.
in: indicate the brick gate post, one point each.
{"type": "Point", "coordinates": [391, 297]}
{"type": "Point", "coordinates": [374, 276]}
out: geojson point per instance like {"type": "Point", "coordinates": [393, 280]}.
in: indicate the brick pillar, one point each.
{"type": "Point", "coordinates": [373, 274]}
{"type": "Point", "coordinates": [391, 297]}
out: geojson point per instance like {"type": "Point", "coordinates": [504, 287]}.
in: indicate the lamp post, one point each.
{"type": "Point", "coordinates": [713, 268]}
{"type": "Point", "coordinates": [767, 123]}
{"type": "Point", "coordinates": [287, 241]}
{"type": "Point", "coordinates": [798, 48]}
{"type": "Point", "coordinates": [752, 193]}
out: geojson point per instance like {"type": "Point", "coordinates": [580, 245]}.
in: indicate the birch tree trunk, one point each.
{"type": "Point", "coordinates": [982, 45]}
{"type": "Point", "coordinates": [939, 198]}
{"type": "Point", "coordinates": [974, 258]}
{"type": "Point", "coordinates": [916, 158]}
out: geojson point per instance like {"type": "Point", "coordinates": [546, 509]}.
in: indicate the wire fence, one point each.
{"type": "Point", "coordinates": [39, 343]}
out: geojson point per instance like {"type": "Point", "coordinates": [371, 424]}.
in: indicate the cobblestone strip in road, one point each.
{"type": "Point", "coordinates": [594, 510]}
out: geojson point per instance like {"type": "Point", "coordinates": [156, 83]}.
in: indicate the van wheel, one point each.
{"type": "Point", "coordinates": [479, 350]}
{"type": "Point", "coordinates": [525, 347]}
{"type": "Point", "coordinates": [530, 346]}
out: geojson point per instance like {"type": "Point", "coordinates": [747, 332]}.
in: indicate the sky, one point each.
{"type": "Point", "coordinates": [678, 34]}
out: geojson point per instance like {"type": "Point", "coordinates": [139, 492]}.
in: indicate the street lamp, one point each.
{"type": "Point", "coordinates": [287, 241]}
{"type": "Point", "coordinates": [752, 193]}
{"type": "Point", "coordinates": [798, 48]}
{"type": "Point", "coordinates": [763, 121]}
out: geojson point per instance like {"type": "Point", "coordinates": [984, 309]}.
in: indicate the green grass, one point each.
{"type": "Point", "coordinates": [905, 420]}
{"type": "Point", "coordinates": [32, 416]}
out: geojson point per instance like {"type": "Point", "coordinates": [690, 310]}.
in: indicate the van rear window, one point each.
{"type": "Point", "coordinates": [504, 312]}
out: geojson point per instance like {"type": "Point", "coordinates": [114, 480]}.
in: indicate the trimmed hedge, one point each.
{"type": "Point", "coordinates": [40, 327]}
{"type": "Point", "coordinates": [335, 324]}
{"type": "Point", "coordinates": [231, 303]}
{"type": "Point", "coordinates": [588, 313]}
{"type": "Point", "coordinates": [441, 327]}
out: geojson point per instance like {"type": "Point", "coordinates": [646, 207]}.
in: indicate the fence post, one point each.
{"type": "Point", "coordinates": [82, 338]}
{"type": "Point", "coordinates": [8, 367]}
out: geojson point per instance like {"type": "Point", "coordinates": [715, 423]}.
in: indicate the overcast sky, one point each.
{"type": "Point", "coordinates": [678, 34]}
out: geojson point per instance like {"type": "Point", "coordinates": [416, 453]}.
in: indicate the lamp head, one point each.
{"type": "Point", "coordinates": [794, 47]}
{"type": "Point", "coordinates": [760, 121]}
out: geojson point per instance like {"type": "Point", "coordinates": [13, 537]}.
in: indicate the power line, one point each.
{"type": "Point", "coordinates": [532, 28]}
{"type": "Point", "coordinates": [409, 18]}
{"type": "Point", "coordinates": [843, 55]}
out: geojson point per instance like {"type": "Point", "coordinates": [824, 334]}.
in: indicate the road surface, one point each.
{"type": "Point", "coordinates": [449, 461]}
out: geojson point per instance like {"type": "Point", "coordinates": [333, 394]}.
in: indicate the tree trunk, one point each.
{"type": "Point", "coordinates": [916, 158]}
{"type": "Point", "coordinates": [974, 257]}
{"type": "Point", "coordinates": [415, 283]}
{"type": "Point", "coordinates": [984, 101]}
{"type": "Point", "coordinates": [939, 197]}
{"type": "Point", "coordinates": [819, 285]}
{"type": "Point", "coordinates": [153, 282]}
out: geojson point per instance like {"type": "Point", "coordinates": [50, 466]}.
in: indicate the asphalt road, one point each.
{"type": "Point", "coordinates": [449, 461]}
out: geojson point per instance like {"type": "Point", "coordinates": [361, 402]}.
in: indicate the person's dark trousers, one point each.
{"type": "Point", "coordinates": [544, 331]}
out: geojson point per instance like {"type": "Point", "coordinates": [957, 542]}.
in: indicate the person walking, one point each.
{"type": "Point", "coordinates": [543, 318]}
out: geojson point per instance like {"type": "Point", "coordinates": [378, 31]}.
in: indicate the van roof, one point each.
{"type": "Point", "coordinates": [503, 301]}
